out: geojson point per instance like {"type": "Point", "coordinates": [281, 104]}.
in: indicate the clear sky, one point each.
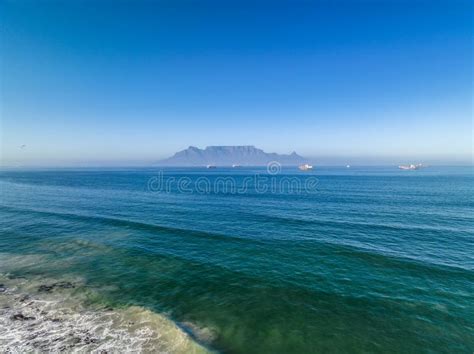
{"type": "Point", "coordinates": [125, 82]}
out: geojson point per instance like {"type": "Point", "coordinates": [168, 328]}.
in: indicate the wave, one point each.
{"type": "Point", "coordinates": [352, 224]}
{"type": "Point", "coordinates": [342, 248]}
{"type": "Point", "coordinates": [46, 315]}
{"type": "Point", "coordinates": [136, 225]}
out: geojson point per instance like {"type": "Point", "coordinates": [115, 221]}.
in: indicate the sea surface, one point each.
{"type": "Point", "coordinates": [360, 260]}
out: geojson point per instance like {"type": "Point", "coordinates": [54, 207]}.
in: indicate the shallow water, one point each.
{"type": "Point", "coordinates": [47, 315]}
{"type": "Point", "coordinates": [371, 260]}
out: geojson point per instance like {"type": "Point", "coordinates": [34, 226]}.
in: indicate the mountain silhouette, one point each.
{"type": "Point", "coordinates": [246, 155]}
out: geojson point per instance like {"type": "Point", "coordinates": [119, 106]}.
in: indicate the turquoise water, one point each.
{"type": "Point", "coordinates": [372, 260]}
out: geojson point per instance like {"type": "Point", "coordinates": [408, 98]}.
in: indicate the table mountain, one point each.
{"type": "Point", "coordinates": [229, 155]}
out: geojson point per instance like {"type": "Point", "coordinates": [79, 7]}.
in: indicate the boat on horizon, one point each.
{"type": "Point", "coordinates": [411, 167]}
{"type": "Point", "coordinates": [305, 167]}
{"type": "Point", "coordinates": [211, 166]}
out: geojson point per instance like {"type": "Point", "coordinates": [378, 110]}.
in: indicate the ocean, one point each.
{"type": "Point", "coordinates": [241, 260]}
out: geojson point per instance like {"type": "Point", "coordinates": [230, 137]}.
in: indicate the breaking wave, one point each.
{"type": "Point", "coordinates": [45, 315]}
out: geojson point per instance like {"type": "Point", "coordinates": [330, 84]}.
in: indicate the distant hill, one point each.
{"type": "Point", "coordinates": [229, 155]}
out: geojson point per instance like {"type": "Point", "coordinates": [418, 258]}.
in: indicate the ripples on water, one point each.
{"type": "Point", "coordinates": [375, 260]}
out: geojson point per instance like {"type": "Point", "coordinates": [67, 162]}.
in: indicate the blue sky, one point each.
{"type": "Point", "coordinates": [130, 82]}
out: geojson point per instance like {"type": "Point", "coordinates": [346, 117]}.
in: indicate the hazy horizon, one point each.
{"type": "Point", "coordinates": [358, 82]}
{"type": "Point", "coordinates": [321, 160]}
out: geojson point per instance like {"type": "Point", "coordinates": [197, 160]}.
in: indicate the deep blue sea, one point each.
{"type": "Point", "coordinates": [335, 260]}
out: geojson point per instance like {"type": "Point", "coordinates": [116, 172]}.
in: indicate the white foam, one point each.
{"type": "Point", "coordinates": [59, 320]}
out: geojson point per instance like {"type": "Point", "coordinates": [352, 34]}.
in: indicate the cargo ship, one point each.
{"type": "Point", "coordinates": [305, 167]}
{"type": "Point", "coordinates": [410, 167]}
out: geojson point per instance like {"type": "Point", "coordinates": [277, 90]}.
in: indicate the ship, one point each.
{"type": "Point", "coordinates": [211, 166]}
{"type": "Point", "coordinates": [305, 167]}
{"type": "Point", "coordinates": [411, 167]}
